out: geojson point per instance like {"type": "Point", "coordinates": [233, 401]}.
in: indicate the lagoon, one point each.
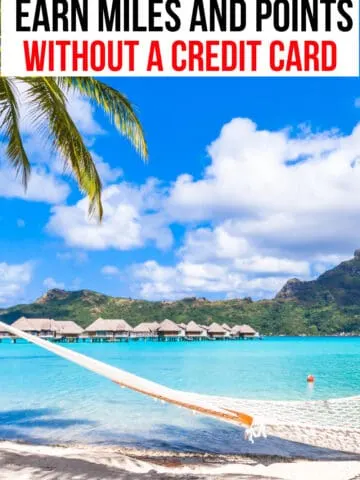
{"type": "Point", "coordinates": [45, 399]}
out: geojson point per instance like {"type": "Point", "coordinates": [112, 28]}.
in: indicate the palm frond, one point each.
{"type": "Point", "coordinates": [9, 127]}
{"type": "Point", "coordinates": [48, 107]}
{"type": "Point", "coordinates": [114, 104]}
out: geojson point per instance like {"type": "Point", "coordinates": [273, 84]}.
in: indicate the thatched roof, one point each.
{"type": "Point", "coordinates": [226, 327]}
{"type": "Point", "coordinates": [146, 327]}
{"type": "Point", "coordinates": [183, 326]}
{"type": "Point", "coordinates": [193, 327]}
{"type": "Point", "coordinates": [168, 326]}
{"type": "Point", "coordinates": [35, 324]}
{"type": "Point", "coordinates": [216, 328]}
{"type": "Point", "coordinates": [68, 328]}
{"type": "Point", "coordinates": [243, 330]}
{"type": "Point", "coordinates": [246, 330]}
{"type": "Point", "coordinates": [101, 325]}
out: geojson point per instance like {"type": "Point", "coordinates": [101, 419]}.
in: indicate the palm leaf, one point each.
{"type": "Point", "coordinates": [114, 104]}
{"type": "Point", "coordinates": [48, 109]}
{"type": "Point", "coordinates": [9, 127]}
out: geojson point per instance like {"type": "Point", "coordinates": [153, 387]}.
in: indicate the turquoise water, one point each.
{"type": "Point", "coordinates": [45, 399]}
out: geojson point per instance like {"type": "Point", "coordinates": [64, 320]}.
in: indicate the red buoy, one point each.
{"type": "Point", "coordinates": [310, 379]}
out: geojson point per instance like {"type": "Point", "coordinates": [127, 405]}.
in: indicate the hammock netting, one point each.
{"type": "Point", "coordinates": [332, 424]}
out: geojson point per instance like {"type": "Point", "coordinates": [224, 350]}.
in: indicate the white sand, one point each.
{"type": "Point", "coordinates": [28, 462]}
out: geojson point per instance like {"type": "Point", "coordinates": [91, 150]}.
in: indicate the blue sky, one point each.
{"type": "Point", "coordinates": [250, 182]}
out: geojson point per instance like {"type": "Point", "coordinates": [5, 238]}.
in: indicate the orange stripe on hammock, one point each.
{"type": "Point", "coordinates": [233, 416]}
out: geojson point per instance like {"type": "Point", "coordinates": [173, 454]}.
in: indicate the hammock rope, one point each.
{"type": "Point", "coordinates": [332, 424]}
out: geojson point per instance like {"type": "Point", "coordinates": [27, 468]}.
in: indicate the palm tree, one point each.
{"type": "Point", "coordinates": [46, 99]}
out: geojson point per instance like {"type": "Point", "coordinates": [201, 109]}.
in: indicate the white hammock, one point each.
{"type": "Point", "coordinates": [333, 424]}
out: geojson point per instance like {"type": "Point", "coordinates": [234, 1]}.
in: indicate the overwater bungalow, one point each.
{"type": "Point", "coordinates": [67, 329]}
{"type": "Point", "coordinates": [216, 331]}
{"type": "Point", "coordinates": [40, 327]}
{"type": "Point", "coordinates": [245, 331]}
{"type": "Point", "coordinates": [108, 329]}
{"type": "Point", "coordinates": [169, 329]}
{"type": "Point", "coordinates": [226, 327]}
{"type": "Point", "coordinates": [145, 329]}
{"type": "Point", "coordinates": [193, 330]}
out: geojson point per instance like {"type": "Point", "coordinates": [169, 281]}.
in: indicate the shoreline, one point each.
{"type": "Point", "coordinates": [23, 461]}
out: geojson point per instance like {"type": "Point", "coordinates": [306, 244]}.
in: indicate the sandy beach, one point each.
{"type": "Point", "coordinates": [27, 462]}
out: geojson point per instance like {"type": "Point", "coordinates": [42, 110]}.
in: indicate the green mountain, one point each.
{"type": "Point", "coordinates": [341, 286]}
{"type": "Point", "coordinates": [327, 305]}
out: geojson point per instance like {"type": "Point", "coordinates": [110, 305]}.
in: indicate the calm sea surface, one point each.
{"type": "Point", "coordinates": [45, 399]}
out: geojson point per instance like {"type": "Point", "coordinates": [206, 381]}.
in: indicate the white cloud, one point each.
{"type": "Point", "coordinates": [205, 244]}
{"type": "Point", "coordinates": [216, 261]}
{"type": "Point", "coordinates": [83, 114]}
{"type": "Point", "coordinates": [110, 271]}
{"type": "Point", "coordinates": [275, 204]}
{"type": "Point", "coordinates": [278, 204]}
{"type": "Point", "coordinates": [43, 186]}
{"type": "Point", "coordinates": [159, 282]}
{"type": "Point", "coordinates": [131, 220]}
{"type": "Point", "coordinates": [272, 265]}
{"type": "Point", "coordinates": [13, 280]}
{"type": "Point", "coordinates": [51, 283]}
{"type": "Point", "coordinates": [281, 191]}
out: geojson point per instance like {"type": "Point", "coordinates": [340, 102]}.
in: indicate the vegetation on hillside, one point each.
{"type": "Point", "coordinates": [268, 317]}
{"type": "Point", "coordinates": [328, 305]}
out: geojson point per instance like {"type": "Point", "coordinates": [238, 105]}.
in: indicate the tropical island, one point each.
{"type": "Point", "coordinates": [329, 305]}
